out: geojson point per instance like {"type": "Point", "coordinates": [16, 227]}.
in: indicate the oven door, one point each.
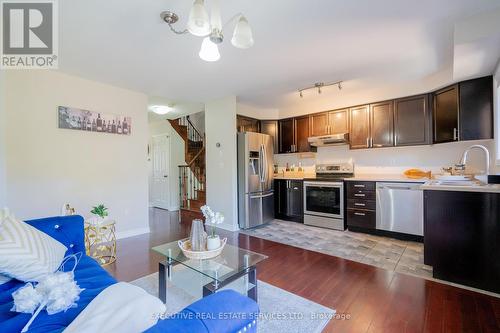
{"type": "Point", "coordinates": [324, 199]}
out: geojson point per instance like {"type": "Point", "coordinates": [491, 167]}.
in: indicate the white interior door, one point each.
{"type": "Point", "coordinates": [161, 181]}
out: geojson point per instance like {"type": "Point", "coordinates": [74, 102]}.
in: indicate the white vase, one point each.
{"type": "Point", "coordinates": [213, 242]}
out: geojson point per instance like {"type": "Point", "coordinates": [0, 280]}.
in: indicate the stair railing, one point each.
{"type": "Point", "coordinates": [195, 139]}
{"type": "Point", "coordinates": [192, 179]}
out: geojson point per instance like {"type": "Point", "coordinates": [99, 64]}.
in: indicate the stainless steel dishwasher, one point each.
{"type": "Point", "coordinates": [400, 208]}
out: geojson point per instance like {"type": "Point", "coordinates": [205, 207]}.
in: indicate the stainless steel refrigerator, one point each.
{"type": "Point", "coordinates": [255, 179]}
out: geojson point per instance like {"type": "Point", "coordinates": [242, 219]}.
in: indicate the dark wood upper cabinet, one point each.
{"type": "Point", "coordinates": [319, 124]}
{"type": "Point", "coordinates": [382, 124]}
{"type": "Point", "coordinates": [338, 121]}
{"type": "Point", "coordinates": [302, 133]}
{"type": "Point", "coordinates": [359, 127]}
{"type": "Point", "coordinates": [270, 127]}
{"type": "Point", "coordinates": [286, 128]}
{"type": "Point", "coordinates": [476, 109]}
{"type": "Point", "coordinates": [247, 124]}
{"type": "Point", "coordinates": [446, 114]}
{"type": "Point", "coordinates": [412, 121]}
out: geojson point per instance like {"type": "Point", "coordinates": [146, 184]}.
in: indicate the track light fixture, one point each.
{"type": "Point", "coordinates": [319, 85]}
{"type": "Point", "coordinates": [211, 28]}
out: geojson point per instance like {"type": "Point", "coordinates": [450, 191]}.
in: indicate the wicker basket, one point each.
{"type": "Point", "coordinates": [185, 246]}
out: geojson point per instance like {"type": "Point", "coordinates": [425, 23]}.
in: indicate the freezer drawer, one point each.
{"type": "Point", "coordinates": [400, 208]}
{"type": "Point", "coordinates": [259, 209]}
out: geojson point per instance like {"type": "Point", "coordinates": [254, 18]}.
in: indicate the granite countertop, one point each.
{"type": "Point", "coordinates": [385, 178]}
{"type": "Point", "coordinates": [488, 188]}
{"type": "Point", "coordinates": [291, 176]}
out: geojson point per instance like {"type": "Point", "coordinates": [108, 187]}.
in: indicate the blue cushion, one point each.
{"type": "Point", "coordinates": [225, 311]}
{"type": "Point", "coordinates": [89, 275]}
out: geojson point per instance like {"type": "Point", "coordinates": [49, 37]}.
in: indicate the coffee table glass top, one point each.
{"type": "Point", "coordinates": [230, 262]}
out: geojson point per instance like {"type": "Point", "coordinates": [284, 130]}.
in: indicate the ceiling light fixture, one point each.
{"type": "Point", "coordinates": [319, 85]}
{"type": "Point", "coordinates": [161, 109]}
{"type": "Point", "coordinates": [211, 28]}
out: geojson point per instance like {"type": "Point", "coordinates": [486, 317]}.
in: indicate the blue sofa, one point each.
{"type": "Point", "coordinates": [206, 315]}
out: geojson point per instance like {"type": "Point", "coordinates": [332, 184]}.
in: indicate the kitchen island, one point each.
{"type": "Point", "coordinates": [462, 234]}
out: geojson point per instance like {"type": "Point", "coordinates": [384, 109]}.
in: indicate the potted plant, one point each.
{"type": "Point", "coordinates": [100, 212]}
{"type": "Point", "coordinates": [212, 219]}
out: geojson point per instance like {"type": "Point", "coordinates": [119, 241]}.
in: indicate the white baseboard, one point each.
{"type": "Point", "coordinates": [132, 233]}
{"type": "Point", "coordinates": [174, 209]}
{"type": "Point", "coordinates": [229, 227]}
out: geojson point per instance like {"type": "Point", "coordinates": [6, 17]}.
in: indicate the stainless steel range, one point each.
{"type": "Point", "coordinates": [324, 196]}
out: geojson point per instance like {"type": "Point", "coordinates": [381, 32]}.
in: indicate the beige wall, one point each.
{"type": "Point", "coordinates": [220, 120]}
{"type": "Point", "coordinates": [496, 95]}
{"type": "Point", "coordinates": [47, 166]}
{"type": "Point", "coordinates": [3, 185]}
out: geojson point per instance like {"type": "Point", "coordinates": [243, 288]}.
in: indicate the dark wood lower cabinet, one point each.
{"type": "Point", "coordinates": [361, 205]}
{"type": "Point", "coordinates": [289, 200]}
{"type": "Point", "coordinates": [462, 237]}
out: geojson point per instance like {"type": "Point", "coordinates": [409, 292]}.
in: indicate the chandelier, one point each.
{"type": "Point", "coordinates": [211, 28]}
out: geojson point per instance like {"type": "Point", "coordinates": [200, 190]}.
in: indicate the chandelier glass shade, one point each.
{"type": "Point", "coordinates": [242, 36]}
{"type": "Point", "coordinates": [198, 22]}
{"type": "Point", "coordinates": [210, 27]}
{"type": "Point", "coordinates": [209, 50]}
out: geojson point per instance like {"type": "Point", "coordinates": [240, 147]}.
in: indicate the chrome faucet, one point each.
{"type": "Point", "coordinates": [463, 161]}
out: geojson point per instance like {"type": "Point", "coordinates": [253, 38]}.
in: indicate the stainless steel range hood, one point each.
{"type": "Point", "coordinates": [329, 140]}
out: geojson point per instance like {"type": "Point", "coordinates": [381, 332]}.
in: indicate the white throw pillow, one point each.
{"type": "Point", "coordinates": [121, 307]}
{"type": "Point", "coordinates": [26, 253]}
{"type": "Point", "coordinates": [4, 279]}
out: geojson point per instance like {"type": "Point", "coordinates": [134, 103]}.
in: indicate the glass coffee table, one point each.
{"type": "Point", "coordinates": [234, 268]}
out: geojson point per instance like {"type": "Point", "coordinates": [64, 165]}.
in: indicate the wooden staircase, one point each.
{"type": "Point", "coordinates": [192, 175]}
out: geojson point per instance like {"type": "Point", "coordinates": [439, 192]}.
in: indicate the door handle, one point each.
{"type": "Point", "coordinates": [359, 195]}
{"type": "Point", "coordinates": [359, 185]}
{"type": "Point", "coordinates": [455, 134]}
{"type": "Point", "coordinates": [261, 196]}
{"type": "Point", "coordinates": [359, 214]}
{"type": "Point", "coordinates": [165, 176]}
{"type": "Point", "coordinates": [359, 204]}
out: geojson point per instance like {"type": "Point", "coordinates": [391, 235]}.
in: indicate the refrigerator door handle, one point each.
{"type": "Point", "coordinates": [261, 196]}
{"type": "Point", "coordinates": [261, 164]}
{"type": "Point", "coordinates": [266, 166]}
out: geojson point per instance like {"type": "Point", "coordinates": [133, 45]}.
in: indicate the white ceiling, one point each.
{"type": "Point", "coordinates": [390, 43]}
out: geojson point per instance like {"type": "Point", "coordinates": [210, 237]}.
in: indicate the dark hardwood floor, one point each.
{"type": "Point", "coordinates": [376, 300]}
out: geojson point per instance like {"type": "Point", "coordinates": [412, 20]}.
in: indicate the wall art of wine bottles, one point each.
{"type": "Point", "coordinates": [84, 120]}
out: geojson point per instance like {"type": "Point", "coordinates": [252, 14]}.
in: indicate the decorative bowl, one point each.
{"type": "Point", "coordinates": [185, 246]}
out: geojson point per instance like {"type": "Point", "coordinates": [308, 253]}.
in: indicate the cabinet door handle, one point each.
{"type": "Point", "coordinates": [359, 185]}
{"type": "Point", "coordinates": [359, 195]}
{"type": "Point", "coordinates": [359, 214]}
{"type": "Point", "coordinates": [295, 188]}
{"type": "Point", "coordinates": [455, 134]}
{"type": "Point", "coordinates": [359, 204]}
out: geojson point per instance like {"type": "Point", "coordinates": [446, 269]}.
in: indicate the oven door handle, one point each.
{"type": "Point", "coordinates": [325, 184]}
